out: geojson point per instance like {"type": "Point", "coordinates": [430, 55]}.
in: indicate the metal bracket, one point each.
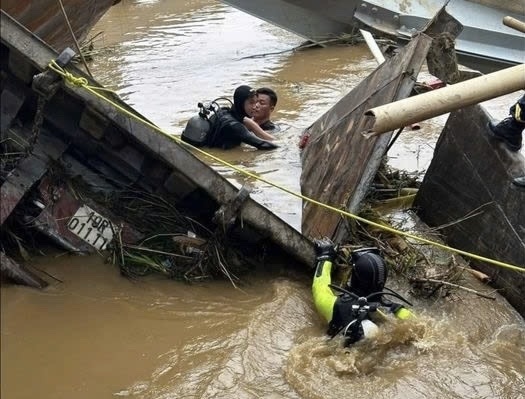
{"type": "Point", "coordinates": [46, 83]}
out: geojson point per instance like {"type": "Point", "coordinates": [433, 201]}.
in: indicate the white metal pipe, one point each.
{"type": "Point", "coordinates": [424, 106]}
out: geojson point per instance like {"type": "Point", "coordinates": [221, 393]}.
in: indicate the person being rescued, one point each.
{"type": "Point", "coordinates": [349, 313]}
{"type": "Point", "coordinates": [236, 126]}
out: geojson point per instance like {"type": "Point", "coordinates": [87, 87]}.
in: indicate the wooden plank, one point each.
{"type": "Point", "coordinates": [338, 161]}
{"type": "Point", "coordinates": [471, 172]}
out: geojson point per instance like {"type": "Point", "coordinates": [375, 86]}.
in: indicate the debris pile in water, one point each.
{"type": "Point", "coordinates": [430, 271]}
{"type": "Point", "coordinates": [173, 244]}
{"type": "Point", "coordinates": [167, 241]}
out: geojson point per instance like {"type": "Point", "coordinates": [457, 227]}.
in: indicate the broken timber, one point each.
{"type": "Point", "coordinates": [90, 140]}
{"type": "Point", "coordinates": [467, 189]}
{"type": "Point", "coordinates": [18, 273]}
{"type": "Point", "coordinates": [339, 162]}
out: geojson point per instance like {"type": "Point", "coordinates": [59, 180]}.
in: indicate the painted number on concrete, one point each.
{"type": "Point", "coordinates": [91, 227]}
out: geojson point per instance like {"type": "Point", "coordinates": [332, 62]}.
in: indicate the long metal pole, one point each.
{"type": "Point", "coordinates": [438, 102]}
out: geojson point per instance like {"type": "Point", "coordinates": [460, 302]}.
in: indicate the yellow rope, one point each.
{"type": "Point", "coordinates": [94, 90]}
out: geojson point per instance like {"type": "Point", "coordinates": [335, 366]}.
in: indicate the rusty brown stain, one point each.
{"type": "Point", "coordinates": [44, 18]}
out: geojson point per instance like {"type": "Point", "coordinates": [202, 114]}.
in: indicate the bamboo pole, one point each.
{"type": "Point", "coordinates": [514, 23]}
{"type": "Point", "coordinates": [424, 106]}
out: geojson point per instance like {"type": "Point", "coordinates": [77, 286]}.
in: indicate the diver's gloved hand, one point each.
{"type": "Point", "coordinates": [325, 249]}
{"type": "Point", "coordinates": [267, 145]}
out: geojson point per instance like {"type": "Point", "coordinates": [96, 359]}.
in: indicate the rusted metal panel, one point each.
{"type": "Point", "coordinates": [45, 19]}
{"type": "Point", "coordinates": [338, 161]}
{"type": "Point", "coordinates": [470, 174]}
{"type": "Point", "coordinates": [59, 207]}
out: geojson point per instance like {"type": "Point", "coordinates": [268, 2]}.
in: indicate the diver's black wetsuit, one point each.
{"type": "Point", "coordinates": [229, 130]}
{"type": "Point", "coordinates": [229, 133]}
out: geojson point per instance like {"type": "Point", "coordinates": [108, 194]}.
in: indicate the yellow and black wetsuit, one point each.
{"type": "Point", "coordinates": [337, 309]}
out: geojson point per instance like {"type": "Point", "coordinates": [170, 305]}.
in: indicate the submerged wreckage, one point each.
{"type": "Point", "coordinates": [466, 191]}
{"type": "Point", "coordinates": [83, 170]}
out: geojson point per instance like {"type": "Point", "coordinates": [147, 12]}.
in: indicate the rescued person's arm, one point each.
{"type": "Point", "coordinates": [257, 130]}
{"type": "Point", "coordinates": [241, 132]}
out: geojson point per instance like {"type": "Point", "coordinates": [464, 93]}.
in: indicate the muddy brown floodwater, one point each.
{"type": "Point", "coordinates": [96, 334]}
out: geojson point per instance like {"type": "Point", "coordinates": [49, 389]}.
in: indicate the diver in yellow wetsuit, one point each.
{"type": "Point", "coordinates": [369, 275]}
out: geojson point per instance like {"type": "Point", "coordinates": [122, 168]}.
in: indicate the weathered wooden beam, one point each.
{"type": "Point", "coordinates": [93, 123]}
{"type": "Point", "coordinates": [338, 162]}
{"type": "Point", "coordinates": [18, 183]}
{"type": "Point", "coordinates": [10, 103]}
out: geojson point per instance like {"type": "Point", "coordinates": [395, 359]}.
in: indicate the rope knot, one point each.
{"type": "Point", "coordinates": [68, 76]}
{"type": "Point", "coordinates": [77, 81]}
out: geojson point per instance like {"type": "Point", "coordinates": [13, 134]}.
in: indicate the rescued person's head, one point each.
{"type": "Point", "coordinates": [266, 102]}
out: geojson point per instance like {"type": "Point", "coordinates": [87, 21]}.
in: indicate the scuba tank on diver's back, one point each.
{"type": "Point", "coordinates": [199, 128]}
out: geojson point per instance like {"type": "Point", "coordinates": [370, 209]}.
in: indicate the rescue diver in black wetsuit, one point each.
{"type": "Point", "coordinates": [369, 275]}
{"type": "Point", "coordinates": [231, 126]}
